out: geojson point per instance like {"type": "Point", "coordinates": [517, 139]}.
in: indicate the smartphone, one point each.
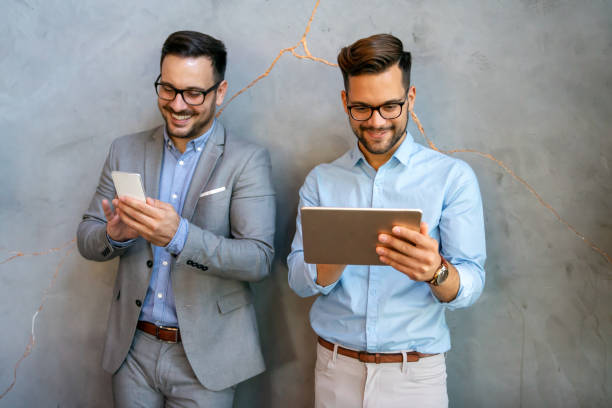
{"type": "Point", "coordinates": [128, 184]}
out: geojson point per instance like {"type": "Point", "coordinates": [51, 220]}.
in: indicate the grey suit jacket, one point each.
{"type": "Point", "coordinates": [230, 243]}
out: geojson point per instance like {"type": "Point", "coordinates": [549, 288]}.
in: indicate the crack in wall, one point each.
{"type": "Point", "coordinates": [18, 254]}
{"type": "Point", "coordinates": [488, 156]}
{"type": "Point", "coordinates": [71, 246]}
{"type": "Point", "coordinates": [508, 170]}
{"type": "Point", "coordinates": [303, 42]}
{"type": "Point", "coordinates": [306, 56]}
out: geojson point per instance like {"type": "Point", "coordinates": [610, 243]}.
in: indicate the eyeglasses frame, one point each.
{"type": "Point", "coordinates": [204, 92]}
{"type": "Point", "coordinates": [377, 109]}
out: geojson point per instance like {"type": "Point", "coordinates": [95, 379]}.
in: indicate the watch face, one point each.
{"type": "Point", "coordinates": [442, 275]}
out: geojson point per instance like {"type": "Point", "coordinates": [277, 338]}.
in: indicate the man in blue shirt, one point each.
{"type": "Point", "coordinates": [382, 329]}
{"type": "Point", "coordinates": [182, 329]}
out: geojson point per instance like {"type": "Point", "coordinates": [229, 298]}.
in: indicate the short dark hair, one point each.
{"type": "Point", "coordinates": [195, 44]}
{"type": "Point", "coordinates": [373, 55]}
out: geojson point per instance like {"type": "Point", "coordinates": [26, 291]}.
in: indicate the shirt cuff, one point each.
{"type": "Point", "coordinates": [118, 244]}
{"type": "Point", "coordinates": [465, 289]}
{"type": "Point", "coordinates": [176, 245]}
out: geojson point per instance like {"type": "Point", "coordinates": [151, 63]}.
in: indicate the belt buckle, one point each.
{"type": "Point", "coordinates": [363, 357]}
{"type": "Point", "coordinates": [174, 329]}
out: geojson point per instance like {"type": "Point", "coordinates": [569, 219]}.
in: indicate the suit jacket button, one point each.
{"type": "Point", "coordinates": [189, 262]}
{"type": "Point", "coordinates": [150, 263]}
{"type": "Point", "coordinates": [204, 268]}
{"type": "Point", "coordinates": [138, 302]}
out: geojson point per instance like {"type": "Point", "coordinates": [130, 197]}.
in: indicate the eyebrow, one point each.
{"type": "Point", "coordinates": [190, 88]}
{"type": "Point", "coordinates": [382, 104]}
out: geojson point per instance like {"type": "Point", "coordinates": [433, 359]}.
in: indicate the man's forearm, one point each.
{"type": "Point", "coordinates": [240, 259]}
{"type": "Point", "coordinates": [328, 273]}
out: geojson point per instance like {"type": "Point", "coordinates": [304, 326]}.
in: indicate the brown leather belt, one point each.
{"type": "Point", "coordinates": [365, 357]}
{"type": "Point", "coordinates": [169, 334]}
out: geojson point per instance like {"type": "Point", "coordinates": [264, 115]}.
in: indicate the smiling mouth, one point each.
{"type": "Point", "coordinates": [180, 116]}
{"type": "Point", "coordinates": [376, 133]}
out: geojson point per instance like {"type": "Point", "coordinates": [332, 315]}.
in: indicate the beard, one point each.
{"type": "Point", "coordinates": [202, 121]}
{"type": "Point", "coordinates": [383, 146]}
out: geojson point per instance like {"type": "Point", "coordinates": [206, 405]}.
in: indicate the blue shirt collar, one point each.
{"type": "Point", "coordinates": [402, 154]}
{"type": "Point", "coordinates": [193, 144]}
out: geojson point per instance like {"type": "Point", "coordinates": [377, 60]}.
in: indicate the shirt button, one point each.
{"type": "Point", "coordinates": [174, 196]}
{"type": "Point", "coordinates": [165, 263]}
{"type": "Point", "coordinates": [199, 149]}
{"type": "Point", "coordinates": [181, 162]}
{"type": "Point", "coordinates": [159, 295]}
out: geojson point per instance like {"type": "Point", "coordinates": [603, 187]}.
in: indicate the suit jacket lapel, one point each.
{"type": "Point", "coordinates": [154, 151]}
{"type": "Point", "coordinates": [206, 164]}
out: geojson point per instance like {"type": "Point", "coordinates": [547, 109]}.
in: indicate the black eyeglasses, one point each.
{"type": "Point", "coordinates": [390, 110]}
{"type": "Point", "coordinates": [192, 96]}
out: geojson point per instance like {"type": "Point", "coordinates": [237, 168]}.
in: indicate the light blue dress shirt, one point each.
{"type": "Point", "coordinates": [377, 308]}
{"type": "Point", "coordinates": [175, 178]}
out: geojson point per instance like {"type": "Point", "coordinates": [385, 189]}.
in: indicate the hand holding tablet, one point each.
{"type": "Point", "coordinates": [350, 235]}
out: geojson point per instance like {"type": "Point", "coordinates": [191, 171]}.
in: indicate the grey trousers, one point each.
{"type": "Point", "coordinates": [157, 374]}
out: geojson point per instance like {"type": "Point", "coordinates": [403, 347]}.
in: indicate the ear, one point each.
{"type": "Point", "coordinates": [411, 98]}
{"type": "Point", "coordinates": [343, 95]}
{"type": "Point", "coordinates": [221, 90]}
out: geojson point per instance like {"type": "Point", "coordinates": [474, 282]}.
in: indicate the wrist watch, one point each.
{"type": "Point", "coordinates": [441, 274]}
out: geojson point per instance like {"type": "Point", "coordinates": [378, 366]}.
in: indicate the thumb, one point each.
{"type": "Point", "coordinates": [424, 228]}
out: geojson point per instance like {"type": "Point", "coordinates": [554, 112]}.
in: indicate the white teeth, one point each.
{"type": "Point", "coordinates": [180, 117]}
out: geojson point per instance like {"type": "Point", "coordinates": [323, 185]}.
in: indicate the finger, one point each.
{"type": "Point", "coordinates": [424, 229]}
{"type": "Point", "coordinates": [402, 259]}
{"type": "Point", "coordinates": [142, 207]}
{"type": "Point", "coordinates": [132, 223]}
{"type": "Point", "coordinates": [137, 215]}
{"type": "Point", "coordinates": [404, 247]}
{"type": "Point", "coordinates": [162, 205]}
{"type": "Point", "coordinates": [108, 213]}
{"type": "Point", "coordinates": [415, 237]}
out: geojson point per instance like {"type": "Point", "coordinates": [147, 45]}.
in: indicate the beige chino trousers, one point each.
{"type": "Point", "coordinates": [344, 382]}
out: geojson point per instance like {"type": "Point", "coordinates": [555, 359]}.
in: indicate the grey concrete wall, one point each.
{"type": "Point", "coordinates": [526, 81]}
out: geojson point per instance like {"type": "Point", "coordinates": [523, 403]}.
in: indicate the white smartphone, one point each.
{"type": "Point", "coordinates": [128, 184]}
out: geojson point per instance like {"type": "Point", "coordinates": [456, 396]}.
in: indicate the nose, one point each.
{"type": "Point", "coordinates": [178, 103]}
{"type": "Point", "coordinates": [376, 120]}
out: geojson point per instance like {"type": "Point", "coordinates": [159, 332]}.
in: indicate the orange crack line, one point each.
{"type": "Point", "coordinates": [48, 251]}
{"type": "Point", "coordinates": [293, 51]}
{"type": "Point", "coordinates": [520, 180]}
{"type": "Point", "coordinates": [32, 341]}
{"type": "Point", "coordinates": [501, 164]}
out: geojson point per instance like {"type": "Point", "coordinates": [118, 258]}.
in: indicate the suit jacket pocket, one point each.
{"type": "Point", "coordinates": [215, 196]}
{"type": "Point", "coordinates": [233, 301]}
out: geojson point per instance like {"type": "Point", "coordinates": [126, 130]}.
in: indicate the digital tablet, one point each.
{"type": "Point", "coordinates": [349, 236]}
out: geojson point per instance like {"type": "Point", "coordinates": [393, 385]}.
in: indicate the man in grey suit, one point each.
{"type": "Point", "coordinates": [182, 329]}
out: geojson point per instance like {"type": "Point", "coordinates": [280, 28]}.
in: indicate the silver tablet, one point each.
{"type": "Point", "coordinates": [350, 235]}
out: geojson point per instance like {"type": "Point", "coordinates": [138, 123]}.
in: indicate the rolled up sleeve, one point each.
{"type": "Point", "coordinates": [462, 235]}
{"type": "Point", "coordinates": [302, 275]}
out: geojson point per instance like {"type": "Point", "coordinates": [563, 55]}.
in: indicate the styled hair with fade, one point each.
{"type": "Point", "coordinates": [373, 55]}
{"type": "Point", "coordinates": [195, 44]}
